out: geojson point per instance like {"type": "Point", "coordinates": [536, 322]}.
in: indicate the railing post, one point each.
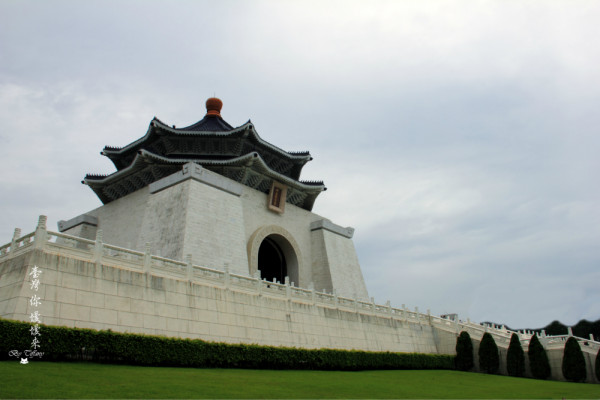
{"type": "Point", "coordinates": [418, 315]}
{"type": "Point", "coordinates": [335, 298]}
{"type": "Point", "coordinates": [40, 232]}
{"type": "Point", "coordinates": [288, 289]}
{"type": "Point", "coordinates": [16, 236]}
{"type": "Point", "coordinates": [404, 314]}
{"type": "Point", "coordinates": [227, 276]}
{"type": "Point", "coordinates": [189, 267]}
{"type": "Point", "coordinates": [543, 340]}
{"type": "Point", "coordinates": [258, 282]}
{"type": "Point", "coordinates": [98, 246]}
{"type": "Point", "coordinates": [389, 307]}
{"type": "Point", "coordinates": [147, 258]}
{"type": "Point", "coordinates": [313, 296]}
{"type": "Point", "coordinates": [570, 330]}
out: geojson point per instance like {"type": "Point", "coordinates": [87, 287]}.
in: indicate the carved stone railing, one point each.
{"type": "Point", "coordinates": [502, 335]}
{"type": "Point", "coordinates": [17, 245]}
{"type": "Point", "coordinates": [588, 345]}
{"type": "Point", "coordinates": [208, 274]}
{"type": "Point", "coordinates": [101, 253]}
{"type": "Point", "coordinates": [168, 267]}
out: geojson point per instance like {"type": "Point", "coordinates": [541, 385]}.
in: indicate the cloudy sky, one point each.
{"type": "Point", "coordinates": [459, 138]}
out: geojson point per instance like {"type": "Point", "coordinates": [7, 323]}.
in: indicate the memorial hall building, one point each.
{"type": "Point", "coordinates": [226, 198]}
{"type": "Point", "coordinates": [207, 232]}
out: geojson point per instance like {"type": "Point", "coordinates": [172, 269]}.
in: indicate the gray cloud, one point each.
{"type": "Point", "coordinates": [459, 140]}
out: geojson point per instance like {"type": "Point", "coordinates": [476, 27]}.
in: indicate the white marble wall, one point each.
{"type": "Point", "coordinates": [213, 219]}
{"type": "Point", "coordinates": [346, 276]}
{"type": "Point", "coordinates": [86, 294]}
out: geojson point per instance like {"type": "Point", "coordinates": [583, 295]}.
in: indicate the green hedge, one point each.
{"type": "Point", "coordinates": [64, 344]}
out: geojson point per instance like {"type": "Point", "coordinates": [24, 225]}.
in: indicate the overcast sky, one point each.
{"type": "Point", "coordinates": [459, 138]}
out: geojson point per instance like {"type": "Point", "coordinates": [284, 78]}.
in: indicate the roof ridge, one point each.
{"type": "Point", "coordinates": [209, 120]}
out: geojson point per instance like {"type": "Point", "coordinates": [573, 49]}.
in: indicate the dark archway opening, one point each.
{"type": "Point", "coordinates": [271, 261]}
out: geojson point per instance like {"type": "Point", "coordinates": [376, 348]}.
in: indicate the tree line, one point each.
{"type": "Point", "coordinates": [582, 329]}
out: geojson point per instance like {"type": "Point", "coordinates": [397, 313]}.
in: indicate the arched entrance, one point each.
{"type": "Point", "coordinates": [273, 253]}
{"type": "Point", "coordinates": [271, 261]}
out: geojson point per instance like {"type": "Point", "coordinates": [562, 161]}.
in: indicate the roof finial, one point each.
{"type": "Point", "coordinates": [213, 107]}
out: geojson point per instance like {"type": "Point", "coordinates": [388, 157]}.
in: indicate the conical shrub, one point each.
{"type": "Point", "coordinates": [489, 360]}
{"type": "Point", "coordinates": [598, 365]}
{"type": "Point", "coordinates": [515, 357]}
{"type": "Point", "coordinates": [464, 352]}
{"type": "Point", "coordinates": [538, 359]}
{"type": "Point", "coordinates": [573, 363]}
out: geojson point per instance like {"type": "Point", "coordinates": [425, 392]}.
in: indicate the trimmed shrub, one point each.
{"type": "Point", "coordinates": [464, 352]}
{"type": "Point", "coordinates": [598, 365]}
{"type": "Point", "coordinates": [74, 344]}
{"type": "Point", "coordinates": [489, 360]}
{"type": "Point", "coordinates": [538, 359]}
{"type": "Point", "coordinates": [573, 363]}
{"type": "Point", "coordinates": [515, 357]}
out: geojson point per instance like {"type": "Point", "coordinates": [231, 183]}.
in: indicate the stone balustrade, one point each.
{"type": "Point", "coordinates": [106, 254]}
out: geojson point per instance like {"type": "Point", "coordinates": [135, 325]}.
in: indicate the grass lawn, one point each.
{"type": "Point", "coordinates": [87, 380]}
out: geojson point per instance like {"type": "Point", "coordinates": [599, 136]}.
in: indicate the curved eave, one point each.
{"type": "Point", "coordinates": [144, 159]}
{"type": "Point", "coordinates": [246, 130]}
{"type": "Point", "coordinates": [248, 160]}
{"type": "Point", "coordinates": [115, 153]}
{"type": "Point", "coordinates": [99, 182]}
{"type": "Point", "coordinates": [109, 151]}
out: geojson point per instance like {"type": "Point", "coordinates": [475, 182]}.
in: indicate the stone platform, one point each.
{"type": "Point", "coordinates": [89, 284]}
